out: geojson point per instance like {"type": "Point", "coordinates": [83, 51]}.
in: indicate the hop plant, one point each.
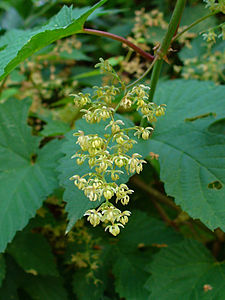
{"type": "Point", "coordinates": [108, 157]}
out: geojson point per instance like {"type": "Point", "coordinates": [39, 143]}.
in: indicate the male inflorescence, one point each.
{"type": "Point", "coordinates": [109, 156]}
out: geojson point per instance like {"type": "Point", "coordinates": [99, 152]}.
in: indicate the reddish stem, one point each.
{"type": "Point", "coordinates": [120, 39]}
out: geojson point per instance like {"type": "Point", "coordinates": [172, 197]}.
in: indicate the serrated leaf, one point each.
{"type": "Point", "coordinates": [27, 174]}
{"type": "Point", "coordinates": [186, 271]}
{"type": "Point", "coordinates": [17, 45]}
{"type": "Point", "coordinates": [33, 253]}
{"type": "Point", "coordinates": [2, 269]}
{"type": "Point", "coordinates": [77, 202]}
{"type": "Point", "coordinates": [45, 288]}
{"type": "Point", "coordinates": [194, 156]}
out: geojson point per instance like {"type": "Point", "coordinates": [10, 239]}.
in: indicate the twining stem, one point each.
{"type": "Point", "coordinates": [162, 51]}
{"type": "Point", "coordinates": [120, 39]}
{"type": "Point", "coordinates": [192, 25]}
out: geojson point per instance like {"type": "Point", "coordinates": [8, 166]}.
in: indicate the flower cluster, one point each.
{"type": "Point", "coordinates": [214, 33]}
{"type": "Point", "coordinates": [206, 67]}
{"type": "Point", "coordinates": [214, 5]}
{"type": "Point", "coordinates": [109, 156]}
{"type": "Point", "coordinates": [108, 212]}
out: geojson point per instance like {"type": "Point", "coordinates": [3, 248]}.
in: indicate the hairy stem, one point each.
{"type": "Point", "coordinates": [120, 39]}
{"type": "Point", "coordinates": [162, 51]}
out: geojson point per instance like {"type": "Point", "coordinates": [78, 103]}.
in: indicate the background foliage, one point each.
{"type": "Point", "coordinates": [174, 244]}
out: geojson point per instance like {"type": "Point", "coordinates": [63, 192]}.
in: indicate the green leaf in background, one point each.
{"type": "Point", "coordinates": [75, 55]}
{"type": "Point", "coordinates": [145, 230]}
{"type": "Point", "coordinates": [33, 254]}
{"type": "Point", "coordinates": [192, 13]}
{"type": "Point", "coordinates": [2, 268]}
{"type": "Point", "coordinates": [14, 277]}
{"type": "Point", "coordinates": [86, 287]}
{"type": "Point", "coordinates": [186, 271]}
{"type": "Point", "coordinates": [198, 49]}
{"type": "Point", "coordinates": [45, 288]}
{"type": "Point", "coordinates": [130, 276]}
{"type": "Point", "coordinates": [54, 127]}
{"type": "Point", "coordinates": [77, 202]}
{"type": "Point", "coordinates": [132, 256]}
{"type": "Point", "coordinates": [27, 173]}
{"type": "Point", "coordinates": [17, 45]}
{"type": "Point", "coordinates": [192, 159]}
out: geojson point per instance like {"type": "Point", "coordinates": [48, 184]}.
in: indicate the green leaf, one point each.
{"type": "Point", "coordinates": [13, 279]}
{"type": "Point", "coordinates": [77, 202]}
{"type": "Point", "coordinates": [192, 13]}
{"type": "Point", "coordinates": [217, 127]}
{"type": "Point", "coordinates": [2, 269]}
{"type": "Point", "coordinates": [198, 49]}
{"type": "Point", "coordinates": [186, 271]}
{"type": "Point", "coordinates": [75, 55]}
{"type": "Point", "coordinates": [86, 287]}
{"type": "Point", "coordinates": [20, 44]}
{"type": "Point", "coordinates": [188, 151]}
{"type": "Point", "coordinates": [45, 288]}
{"type": "Point", "coordinates": [145, 230]}
{"type": "Point", "coordinates": [130, 276]}
{"type": "Point", "coordinates": [27, 174]}
{"type": "Point", "coordinates": [54, 127]}
{"type": "Point", "coordinates": [33, 253]}
{"type": "Point", "coordinates": [132, 255]}
{"type": "Point", "coordinates": [38, 287]}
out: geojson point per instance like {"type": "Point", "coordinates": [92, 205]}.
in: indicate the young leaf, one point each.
{"type": "Point", "coordinates": [27, 174]}
{"type": "Point", "coordinates": [186, 271]}
{"type": "Point", "coordinates": [17, 45]}
{"type": "Point", "coordinates": [188, 151]}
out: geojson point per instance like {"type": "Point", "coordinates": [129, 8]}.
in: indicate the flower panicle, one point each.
{"type": "Point", "coordinates": [108, 156]}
